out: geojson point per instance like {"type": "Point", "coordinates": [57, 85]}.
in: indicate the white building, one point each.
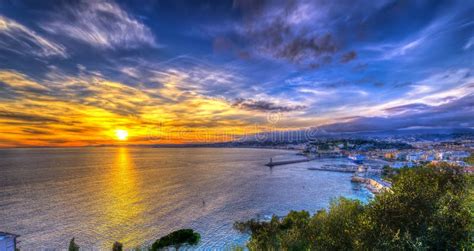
{"type": "Point", "coordinates": [440, 155]}
{"type": "Point", "coordinates": [414, 157]}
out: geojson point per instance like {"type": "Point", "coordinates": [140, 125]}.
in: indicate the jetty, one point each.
{"type": "Point", "coordinates": [373, 184]}
{"type": "Point", "coordinates": [286, 162]}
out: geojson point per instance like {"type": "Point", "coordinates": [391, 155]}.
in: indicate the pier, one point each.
{"type": "Point", "coordinates": [285, 162]}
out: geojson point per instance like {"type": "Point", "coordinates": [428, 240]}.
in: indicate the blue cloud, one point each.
{"type": "Point", "coordinates": [102, 24]}
{"type": "Point", "coordinates": [17, 38]}
{"type": "Point", "coordinates": [455, 114]}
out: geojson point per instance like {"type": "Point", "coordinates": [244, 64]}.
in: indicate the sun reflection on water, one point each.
{"type": "Point", "coordinates": [125, 208]}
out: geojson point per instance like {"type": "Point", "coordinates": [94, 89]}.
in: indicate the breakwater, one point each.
{"type": "Point", "coordinates": [375, 186]}
{"type": "Point", "coordinates": [285, 162]}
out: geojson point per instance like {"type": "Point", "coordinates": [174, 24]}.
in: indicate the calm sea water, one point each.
{"type": "Point", "coordinates": [135, 195]}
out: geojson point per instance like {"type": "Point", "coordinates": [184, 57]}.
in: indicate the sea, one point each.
{"type": "Point", "coordinates": [100, 195]}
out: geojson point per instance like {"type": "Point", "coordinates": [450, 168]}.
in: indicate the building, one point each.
{"type": "Point", "coordinates": [390, 155]}
{"type": "Point", "coordinates": [328, 153]}
{"type": "Point", "coordinates": [357, 157]}
{"type": "Point", "coordinates": [453, 155]}
{"type": "Point", "coordinates": [414, 157]}
{"type": "Point", "coordinates": [458, 155]}
{"type": "Point", "coordinates": [428, 157]}
{"type": "Point", "coordinates": [401, 164]}
{"type": "Point", "coordinates": [7, 241]}
{"type": "Point", "coordinates": [401, 156]}
{"type": "Point", "coordinates": [440, 155]}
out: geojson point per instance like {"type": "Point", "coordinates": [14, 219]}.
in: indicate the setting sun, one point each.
{"type": "Point", "coordinates": [121, 134]}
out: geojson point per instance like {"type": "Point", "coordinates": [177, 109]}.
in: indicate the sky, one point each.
{"type": "Point", "coordinates": [75, 73]}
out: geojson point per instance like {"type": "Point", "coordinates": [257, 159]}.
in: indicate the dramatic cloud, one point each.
{"type": "Point", "coordinates": [185, 75]}
{"type": "Point", "coordinates": [265, 106]}
{"type": "Point", "coordinates": [87, 109]}
{"type": "Point", "coordinates": [22, 40]}
{"type": "Point", "coordinates": [457, 113]}
{"type": "Point", "coordinates": [100, 23]}
{"type": "Point", "coordinates": [307, 33]}
{"type": "Point", "coordinates": [72, 73]}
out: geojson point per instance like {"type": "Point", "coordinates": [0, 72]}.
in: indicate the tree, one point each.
{"type": "Point", "coordinates": [73, 246]}
{"type": "Point", "coordinates": [336, 228]}
{"type": "Point", "coordinates": [326, 230]}
{"type": "Point", "coordinates": [117, 246]}
{"type": "Point", "coordinates": [426, 209]}
{"type": "Point", "coordinates": [470, 159]}
{"type": "Point", "coordinates": [176, 239]}
{"type": "Point", "coordinates": [387, 172]}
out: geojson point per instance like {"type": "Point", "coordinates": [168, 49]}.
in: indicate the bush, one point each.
{"type": "Point", "coordinates": [176, 239]}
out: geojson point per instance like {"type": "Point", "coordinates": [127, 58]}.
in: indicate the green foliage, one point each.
{"type": "Point", "coordinates": [470, 199]}
{"type": "Point", "coordinates": [470, 203]}
{"type": "Point", "coordinates": [73, 246]}
{"type": "Point", "coordinates": [427, 208]}
{"type": "Point", "coordinates": [324, 146]}
{"type": "Point", "coordinates": [117, 246]}
{"type": "Point", "coordinates": [236, 247]}
{"type": "Point", "coordinates": [470, 159]}
{"type": "Point", "coordinates": [388, 172]}
{"type": "Point", "coordinates": [177, 238]}
{"type": "Point", "coordinates": [335, 229]}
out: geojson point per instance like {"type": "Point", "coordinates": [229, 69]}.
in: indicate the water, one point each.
{"type": "Point", "coordinates": [135, 195]}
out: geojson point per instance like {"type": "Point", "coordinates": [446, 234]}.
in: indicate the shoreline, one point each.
{"type": "Point", "coordinates": [373, 185]}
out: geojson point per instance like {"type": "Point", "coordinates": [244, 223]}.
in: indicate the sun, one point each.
{"type": "Point", "coordinates": [121, 134]}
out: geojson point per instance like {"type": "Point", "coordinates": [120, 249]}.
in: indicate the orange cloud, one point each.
{"type": "Point", "coordinates": [80, 111]}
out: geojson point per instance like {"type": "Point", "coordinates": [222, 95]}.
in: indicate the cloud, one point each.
{"type": "Point", "coordinates": [25, 117]}
{"type": "Point", "coordinates": [431, 36]}
{"type": "Point", "coordinates": [279, 40]}
{"type": "Point", "coordinates": [85, 109]}
{"type": "Point", "coordinates": [17, 38]}
{"type": "Point", "coordinates": [469, 43]}
{"type": "Point", "coordinates": [407, 108]}
{"type": "Point", "coordinates": [456, 113]}
{"type": "Point", "coordinates": [103, 24]}
{"type": "Point", "coordinates": [36, 131]}
{"type": "Point", "coordinates": [403, 48]}
{"type": "Point", "coordinates": [209, 87]}
{"type": "Point", "coordinates": [265, 106]}
{"type": "Point", "coordinates": [435, 88]}
{"type": "Point", "coordinates": [348, 57]}
{"type": "Point", "coordinates": [185, 75]}
{"type": "Point", "coordinates": [306, 33]}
